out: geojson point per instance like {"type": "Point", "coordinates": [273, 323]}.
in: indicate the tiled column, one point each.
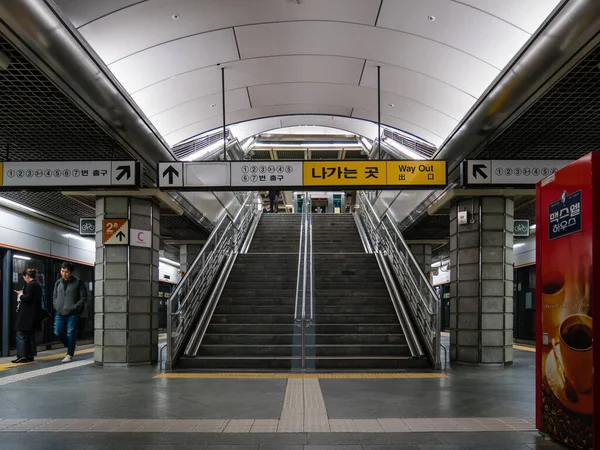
{"type": "Point", "coordinates": [481, 288]}
{"type": "Point", "coordinates": [422, 253]}
{"type": "Point", "coordinates": [126, 303]}
{"type": "Point", "coordinates": [187, 254]}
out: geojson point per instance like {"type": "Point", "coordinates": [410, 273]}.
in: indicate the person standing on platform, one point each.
{"type": "Point", "coordinates": [29, 316]}
{"type": "Point", "coordinates": [70, 295]}
{"type": "Point", "coordinates": [273, 201]}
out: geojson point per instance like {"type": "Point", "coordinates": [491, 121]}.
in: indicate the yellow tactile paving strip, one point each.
{"type": "Point", "coordinates": [61, 355]}
{"type": "Point", "coordinates": [243, 375]}
{"type": "Point", "coordinates": [526, 349]}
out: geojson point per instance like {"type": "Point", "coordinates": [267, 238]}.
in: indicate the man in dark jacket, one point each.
{"type": "Point", "coordinates": [69, 298]}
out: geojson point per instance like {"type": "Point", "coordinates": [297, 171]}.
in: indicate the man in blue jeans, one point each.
{"type": "Point", "coordinates": [69, 298]}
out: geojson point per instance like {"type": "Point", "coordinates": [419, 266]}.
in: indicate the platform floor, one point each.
{"type": "Point", "coordinates": [81, 405]}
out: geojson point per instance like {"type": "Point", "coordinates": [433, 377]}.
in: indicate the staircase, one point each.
{"type": "Point", "coordinates": [253, 325]}
{"type": "Point", "coordinates": [356, 326]}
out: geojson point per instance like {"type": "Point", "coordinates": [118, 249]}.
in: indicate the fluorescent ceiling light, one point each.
{"type": "Point", "coordinates": [17, 205]}
{"type": "Point", "coordinates": [168, 261]}
{"type": "Point", "coordinates": [532, 227]}
{"type": "Point", "coordinates": [76, 236]}
{"type": "Point", "coordinates": [402, 149]}
{"type": "Point", "coordinates": [26, 258]}
{"type": "Point", "coordinates": [204, 151]}
{"type": "Point", "coordinates": [306, 145]}
{"type": "Point", "coordinates": [520, 244]}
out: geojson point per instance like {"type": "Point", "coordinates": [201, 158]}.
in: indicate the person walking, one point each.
{"type": "Point", "coordinates": [29, 317]}
{"type": "Point", "coordinates": [70, 295]}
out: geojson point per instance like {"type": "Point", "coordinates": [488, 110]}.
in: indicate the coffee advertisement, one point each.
{"type": "Point", "coordinates": [565, 357]}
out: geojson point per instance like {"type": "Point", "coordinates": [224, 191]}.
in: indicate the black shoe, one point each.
{"type": "Point", "coordinates": [19, 361]}
{"type": "Point", "coordinates": [30, 359]}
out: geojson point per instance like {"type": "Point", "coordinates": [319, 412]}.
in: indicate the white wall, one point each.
{"type": "Point", "coordinates": [525, 254]}
{"type": "Point", "coordinates": [168, 269]}
{"type": "Point", "coordinates": [20, 232]}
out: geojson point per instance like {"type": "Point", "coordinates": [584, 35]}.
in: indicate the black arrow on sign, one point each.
{"type": "Point", "coordinates": [171, 172]}
{"type": "Point", "coordinates": [125, 171]}
{"type": "Point", "coordinates": [121, 236]}
{"type": "Point", "coordinates": [478, 170]}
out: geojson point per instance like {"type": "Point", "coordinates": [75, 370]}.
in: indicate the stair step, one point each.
{"type": "Point", "coordinates": [260, 328]}
{"type": "Point", "coordinates": [357, 328]}
{"type": "Point", "coordinates": [249, 339]}
{"type": "Point", "coordinates": [254, 318]}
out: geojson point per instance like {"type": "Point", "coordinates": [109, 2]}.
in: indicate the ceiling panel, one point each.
{"type": "Point", "coordinates": [353, 96]}
{"type": "Point", "coordinates": [129, 27]}
{"type": "Point", "coordinates": [199, 109]}
{"type": "Point", "coordinates": [39, 122]}
{"type": "Point", "coordinates": [564, 123]}
{"type": "Point", "coordinates": [254, 113]}
{"type": "Point", "coordinates": [527, 15]}
{"type": "Point", "coordinates": [172, 58]}
{"type": "Point", "coordinates": [199, 83]}
{"type": "Point", "coordinates": [81, 12]}
{"type": "Point", "coordinates": [400, 124]}
{"type": "Point", "coordinates": [429, 91]}
{"type": "Point", "coordinates": [387, 46]}
{"type": "Point", "coordinates": [474, 32]}
{"type": "Point", "coordinates": [356, 126]}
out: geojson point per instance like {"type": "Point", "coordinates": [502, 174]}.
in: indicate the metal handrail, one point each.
{"type": "Point", "coordinates": [418, 292]}
{"type": "Point", "coordinates": [197, 287]}
{"type": "Point", "coordinates": [305, 283]}
{"type": "Point", "coordinates": [299, 319]}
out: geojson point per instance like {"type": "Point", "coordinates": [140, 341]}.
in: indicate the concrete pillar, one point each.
{"type": "Point", "coordinates": [187, 254]}
{"type": "Point", "coordinates": [126, 303]}
{"type": "Point", "coordinates": [422, 253]}
{"type": "Point", "coordinates": [481, 288]}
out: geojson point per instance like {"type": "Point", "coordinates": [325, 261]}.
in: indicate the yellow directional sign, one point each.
{"type": "Point", "coordinates": [416, 173]}
{"type": "Point", "coordinates": [1, 173]}
{"type": "Point", "coordinates": [344, 173]}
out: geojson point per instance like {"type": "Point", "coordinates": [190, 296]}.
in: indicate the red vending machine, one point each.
{"type": "Point", "coordinates": [568, 250]}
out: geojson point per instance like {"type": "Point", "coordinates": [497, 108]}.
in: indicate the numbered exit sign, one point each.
{"type": "Point", "coordinates": [115, 232]}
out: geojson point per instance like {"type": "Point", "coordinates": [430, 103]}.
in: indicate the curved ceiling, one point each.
{"type": "Point", "coordinates": [306, 57]}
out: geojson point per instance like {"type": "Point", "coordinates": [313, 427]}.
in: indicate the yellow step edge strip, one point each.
{"type": "Point", "coordinates": [61, 355]}
{"type": "Point", "coordinates": [241, 375]}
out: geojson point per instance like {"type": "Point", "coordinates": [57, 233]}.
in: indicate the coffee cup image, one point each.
{"type": "Point", "coordinates": [575, 337]}
{"type": "Point", "coordinates": [553, 297]}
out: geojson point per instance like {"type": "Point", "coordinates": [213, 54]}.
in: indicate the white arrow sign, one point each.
{"type": "Point", "coordinates": [170, 174]}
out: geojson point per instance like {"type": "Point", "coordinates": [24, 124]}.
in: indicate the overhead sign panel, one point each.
{"type": "Point", "coordinates": [344, 173]}
{"type": "Point", "coordinates": [65, 174]}
{"type": "Point", "coordinates": [268, 173]}
{"type": "Point", "coordinates": [416, 173]}
{"type": "Point", "coordinates": [247, 175]}
{"type": "Point", "coordinates": [509, 172]}
{"type": "Point", "coordinates": [206, 174]}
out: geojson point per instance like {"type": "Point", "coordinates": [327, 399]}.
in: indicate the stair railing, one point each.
{"type": "Point", "coordinates": [417, 291]}
{"type": "Point", "coordinates": [304, 305]}
{"type": "Point", "coordinates": [194, 293]}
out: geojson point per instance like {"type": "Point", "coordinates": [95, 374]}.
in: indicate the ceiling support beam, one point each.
{"type": "Point", "coordinates": [163, 198]}
{"type": "Point", "coordinates": [451, 194]}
